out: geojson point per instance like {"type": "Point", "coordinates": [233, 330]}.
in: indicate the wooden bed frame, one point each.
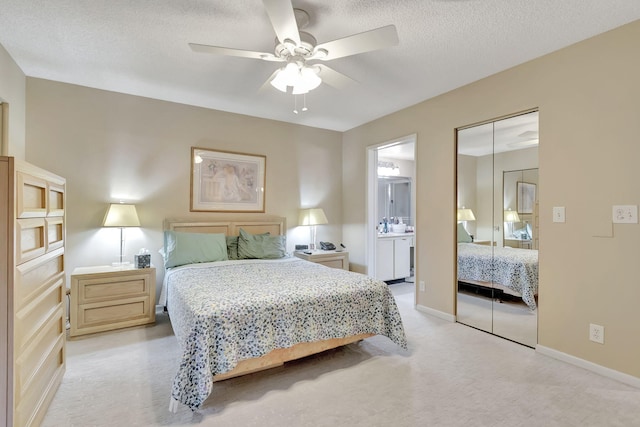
{"type": "Point", "coordinates": [256, 225]}
{"type": "Point", "coordinates": [490, 285]}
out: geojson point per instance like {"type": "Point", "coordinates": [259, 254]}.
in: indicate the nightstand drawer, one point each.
{"type": "Point", "coordinates": [122, 311]}
{"type": "Point", "coordinates": [336, 263]}
{"type": "Point", "coordinates": [331, 259]}
{"type": "Point", "coordinates": [92, 290]}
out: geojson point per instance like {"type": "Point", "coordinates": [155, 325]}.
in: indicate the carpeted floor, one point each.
{"type": "Point", "coordinates": [452, 375]}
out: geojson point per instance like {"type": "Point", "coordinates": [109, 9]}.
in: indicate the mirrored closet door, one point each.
{"type": "Point", "coordinates": [497, 233]}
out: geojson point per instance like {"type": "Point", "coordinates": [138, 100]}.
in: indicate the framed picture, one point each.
{"type": "Point", "coordinates": [224, 181]}
{"type": "Point", "coordinates": [526, 197]}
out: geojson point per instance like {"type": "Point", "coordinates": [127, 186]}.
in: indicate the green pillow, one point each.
{"type": "Point", "coordinates": [463, 236]}
{"type": "Point", "coordinates": [232, 246]}
{"type": "Point", "coordinates": [190, 248]}
{"type": "Point", "coordinates": [260, 246]}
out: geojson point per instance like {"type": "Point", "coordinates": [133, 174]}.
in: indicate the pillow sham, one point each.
{"type": "Point", "coordinates": [232, 246]}
{"type": "Point", "coordinates": [463, 236]}
{"type": "Point", "coordinates": [189, 248]}
{"type": "Point", "coordinates": [260, 246]}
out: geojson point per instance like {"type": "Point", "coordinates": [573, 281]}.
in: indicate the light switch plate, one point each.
{"type": "Point", "coordinates": [625, 214]}
{"type": "Point", "coordinates": [558, 214]}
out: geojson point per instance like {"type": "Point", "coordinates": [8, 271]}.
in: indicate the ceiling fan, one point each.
{"type": "Point", "coordinates": [299, 50]}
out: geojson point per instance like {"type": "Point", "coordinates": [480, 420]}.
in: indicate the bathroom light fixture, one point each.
{"type": "Point", "coordinates": [388, 169]}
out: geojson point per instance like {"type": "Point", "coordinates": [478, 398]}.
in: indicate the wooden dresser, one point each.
{"type": "Point", "coordinates": [32, 289]}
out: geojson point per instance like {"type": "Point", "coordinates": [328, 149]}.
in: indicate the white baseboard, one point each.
{"type": "Point", "coordinates": [159, 309]}
{"type": "Point", "coordinates": [589, 366]}
{"type": "Point", "coordinates": [439, 314]}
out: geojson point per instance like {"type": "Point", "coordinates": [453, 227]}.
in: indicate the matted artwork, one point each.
{"type": "Point", "coordinates": [526, 197]}
{"type": "Point", "coordinates": [225, 181]}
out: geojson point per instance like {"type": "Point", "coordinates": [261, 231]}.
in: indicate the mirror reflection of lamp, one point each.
{"type": "Point", "coordinates": [465, 215]}
{"type": "Point", "coordinates": [509, 218]}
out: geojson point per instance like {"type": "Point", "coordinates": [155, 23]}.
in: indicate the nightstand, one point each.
{"type": "Point", "coordinates": [104, 298]}
{"type": "Point", "coordinates": [329, 258]}
{"type": "Point", "coordinates": [485, 242]}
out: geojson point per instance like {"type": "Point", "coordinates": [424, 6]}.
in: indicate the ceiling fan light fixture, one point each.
{"type": "Point", "coordinates": [320, 53]}
{"type": "Point", "coordinates": [279, 82]}
{"type": "Point", "coordinates": [286, 76]}
{"type": "Point", "coordinates": [290, 45]}
{"type": "Point", "coordinates": [309, 78]}
{"type": "Point", "coordinates": [299, 90]}
{"type": "Point", "coordinates": [298, 76]}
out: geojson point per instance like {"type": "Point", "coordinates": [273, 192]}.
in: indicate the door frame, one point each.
{"type": "Point", "coordinates": [372, 196]}
{"type": "Point", "coordinates": [493, 204]}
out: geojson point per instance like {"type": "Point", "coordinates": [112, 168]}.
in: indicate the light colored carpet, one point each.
{"type": "Point", "coordinates": [452, 375]}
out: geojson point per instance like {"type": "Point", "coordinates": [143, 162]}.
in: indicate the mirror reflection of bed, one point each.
{"type": "Point", "coordinates": [497, 171]}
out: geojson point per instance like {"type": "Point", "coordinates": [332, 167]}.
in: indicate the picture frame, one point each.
{"type": "Point", "coordinates": [227, 181]}
{"type": "Point", "coordinates": [525, 197]}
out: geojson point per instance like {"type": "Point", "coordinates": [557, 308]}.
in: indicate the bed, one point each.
{"type": "Point", "coordinates": [513, 271]}
{"type": "Point", "coordinates": [236, 316]}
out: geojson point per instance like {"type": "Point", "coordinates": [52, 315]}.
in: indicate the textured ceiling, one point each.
{"type": "Point", "coordinates": [141, 48]}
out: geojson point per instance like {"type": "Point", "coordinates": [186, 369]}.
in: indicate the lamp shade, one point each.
{"type": "Point", "coordinates": [314, 216]}
{"type": "Point", "coordinates": [511, 216]}
{"type": "Point", "coordinates": [466, 215]}
{"type": "Point", "coordinates": [121, 215]}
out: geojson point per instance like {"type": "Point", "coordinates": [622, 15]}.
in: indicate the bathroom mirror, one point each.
{"type": "Point", "coordinates": [394, 198]}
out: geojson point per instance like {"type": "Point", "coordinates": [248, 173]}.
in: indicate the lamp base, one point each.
{"type": "Point", "coordinates": [121, 264]}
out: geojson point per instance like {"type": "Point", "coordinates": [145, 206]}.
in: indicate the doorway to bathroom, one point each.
{"type": "Point", "coordinates": [391, 210]}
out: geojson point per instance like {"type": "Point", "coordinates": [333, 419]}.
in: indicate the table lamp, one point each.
{"type": "Point", "coordinates": [121, 215]}
{"type": "Point", "coordinates": [313, 217]}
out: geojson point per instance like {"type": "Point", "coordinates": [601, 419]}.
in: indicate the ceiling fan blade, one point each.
{"type": "Point", "coordinates": [216, 50]}
{"type": "Point", "coordinates": [334, 78]}
{"type": "Point", "coordinates": [283, 20]}
{"type": "Point", "coordinates": [379, 38]}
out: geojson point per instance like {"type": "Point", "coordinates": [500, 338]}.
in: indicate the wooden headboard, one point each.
{"type": "Point", "coordinates": [271, 224]}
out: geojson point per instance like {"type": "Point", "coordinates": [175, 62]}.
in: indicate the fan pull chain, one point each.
{"type": "Point", "coordinates": [304, 103]}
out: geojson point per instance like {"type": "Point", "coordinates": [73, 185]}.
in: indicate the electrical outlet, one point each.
{"type": "Point", "coordinates": [625, 214]}
{"type": "Point", "coordinates": [422, 289]}
{"type": "Point", "coordinates": [596, 333]}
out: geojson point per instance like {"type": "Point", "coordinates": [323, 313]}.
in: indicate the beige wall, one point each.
{"type": "Point", "coordinates": [588, 99]}
{"type": "Point", "coordinates": [111, 146]}
{"type": "Point", "coordinates": [12, 92]}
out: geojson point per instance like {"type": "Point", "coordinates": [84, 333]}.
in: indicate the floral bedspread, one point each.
{"type": "Point", "coordinates": [517, 269]}
{"type": "Point", "coordinates": [228, 311]}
